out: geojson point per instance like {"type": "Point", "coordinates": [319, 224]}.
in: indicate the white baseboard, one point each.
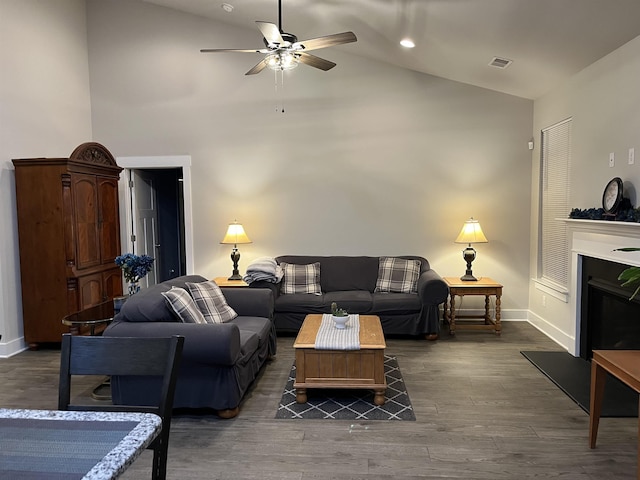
{"type": "Point", "coordinates": [507, 314]}
{"type": "Point", "coordinates": [561, 338]}
{"type": "Point", "coordinates": [9, 349]}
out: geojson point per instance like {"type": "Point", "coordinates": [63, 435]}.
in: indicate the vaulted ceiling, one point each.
{"type": "Point", "coordinates": [547, 40]}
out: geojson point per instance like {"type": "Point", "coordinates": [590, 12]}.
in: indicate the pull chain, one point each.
{"type": "Point", "coordinates": [281, 91]}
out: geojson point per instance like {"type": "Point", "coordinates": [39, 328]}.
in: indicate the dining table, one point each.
{"type": "Point", "coordinates": [69, 445]}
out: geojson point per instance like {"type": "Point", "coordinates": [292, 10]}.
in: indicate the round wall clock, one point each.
{"type": "Point", "coordinates": [612, 195]}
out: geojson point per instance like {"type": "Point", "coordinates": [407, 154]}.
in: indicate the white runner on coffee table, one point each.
{"type": "Point", "coordinates": [331, 338]}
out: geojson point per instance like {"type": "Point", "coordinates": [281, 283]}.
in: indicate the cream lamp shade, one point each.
{"type": "Point", "coordinates": [471, 233]}
{"type": "Point", "coordinates": [235, 235]}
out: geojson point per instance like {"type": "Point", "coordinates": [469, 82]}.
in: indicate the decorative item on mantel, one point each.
{"type": "Point", "coordinates": [471, 233]}
{"type": "Point", "coordinates": [134, 267]}
{"type": "Point", "coordinates": [631, 215]}
{"type": "Point", "coordinates": [340, 316]}
{"type": "Point", "coordinates": [614, 206]}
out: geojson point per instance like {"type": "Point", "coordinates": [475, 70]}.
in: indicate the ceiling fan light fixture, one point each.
{"type": "Point", "coordinates": [407, 43]}
{"type": "Point", "coordinates": [282, 61]}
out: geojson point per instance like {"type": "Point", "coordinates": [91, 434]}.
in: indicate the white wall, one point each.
{"type": "Point", "coordinates": [604, 101]}
{"type": "Point", "coordinates": [44, 111]}
{"type": "Point", "coordinates": [368, 159]}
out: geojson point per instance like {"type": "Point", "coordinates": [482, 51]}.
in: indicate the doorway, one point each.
{"type": "Point", "coordinates": [157, 221]}
{"type": "Point", "coordinates": [155, 213]}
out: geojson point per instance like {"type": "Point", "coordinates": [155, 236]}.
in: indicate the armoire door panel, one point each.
{"type": "Point", "coordinates": [112, 282]}
{"type": "Point", "coordinates": [85, 193]}
{"type": "Point", "coordinates": [109, 219]}
{"type": "Point", "coordinates": [90, 291]}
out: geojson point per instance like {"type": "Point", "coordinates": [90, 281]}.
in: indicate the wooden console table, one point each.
{"type": "Point", "coordinates": [622, 364]}
{"type": "Point", "coordinates": [483, 286]}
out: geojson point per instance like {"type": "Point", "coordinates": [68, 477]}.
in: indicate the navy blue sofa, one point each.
{"type": "Point", "coordinates": [219, 361]}
{"type": "Point", "coordinates": [350, 281]}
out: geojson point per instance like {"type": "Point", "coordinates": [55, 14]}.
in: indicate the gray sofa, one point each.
{"type": "Point", "coordinates": [219, 361]}
{"type": "Point", "coordinates": [351, 283]}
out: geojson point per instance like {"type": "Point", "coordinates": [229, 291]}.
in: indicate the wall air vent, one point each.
{"type": "Point", "coordinates": [500, 62]}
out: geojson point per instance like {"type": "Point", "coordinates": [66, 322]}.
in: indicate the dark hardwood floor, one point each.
{"type": "Point", "coordinates": [483, 412]}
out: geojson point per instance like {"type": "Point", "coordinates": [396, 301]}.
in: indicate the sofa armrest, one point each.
{"type": "Point", "coordinates": [274, 287]}
{"type": "Point", "coordinates": [250, 302]}
{"type": "Point", "coordinates": [209, 344]}
{"type": "Point", "coordinates": [432, 289]}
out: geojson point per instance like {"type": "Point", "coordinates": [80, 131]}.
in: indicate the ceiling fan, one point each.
{"type": "Point", "coordinates": [283, 51]}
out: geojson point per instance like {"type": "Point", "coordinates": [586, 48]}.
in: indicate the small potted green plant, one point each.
{"type": "Point", "coordinates": [340, 316]}
{"type": "Point", "coordinates": [631, 276]}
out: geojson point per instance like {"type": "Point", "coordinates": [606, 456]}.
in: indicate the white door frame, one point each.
{"type": "Point", "coordinates": [124, 193]}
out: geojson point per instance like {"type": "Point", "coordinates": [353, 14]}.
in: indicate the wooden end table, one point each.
{"type": "Point", "coordinates": [623, 365]}
{"type": "Point", "coordinates": [483, 286]}
{"type": "Point", "coordinates": [362, 368]}
{"type": "Point", "coordinates": [225, 282]}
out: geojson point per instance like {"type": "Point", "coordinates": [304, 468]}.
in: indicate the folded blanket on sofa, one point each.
{"type": "Point", "coordinates": [265, 269]}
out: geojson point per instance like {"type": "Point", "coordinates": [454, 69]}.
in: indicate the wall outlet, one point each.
{"type": "Point", "coordinates": [612, 159]}
{"type": "Point", "coordinates": [632, 156]}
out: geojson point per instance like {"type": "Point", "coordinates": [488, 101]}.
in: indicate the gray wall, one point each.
{"type": "Point", "coordinates": [45, 111]}
{"type": "Point", "coordinates": [367, 159]}
{"type": "Point", "coordinates": [604, 101]}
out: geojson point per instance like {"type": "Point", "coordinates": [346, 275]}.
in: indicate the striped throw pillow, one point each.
{"type": "Point", "coordinates": [211, 302]}
{"type": "Point", "coordinates": [301, 278]}
{"type": "Point", "coordinates": [183, 305]}
{"type": "Point", "coordinates": [397, 275]}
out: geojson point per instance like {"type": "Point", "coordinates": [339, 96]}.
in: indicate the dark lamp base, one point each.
{"type": "Point", "coordinates": [469, 255]}
{"type": "Point", "coordinates": [235, 276]}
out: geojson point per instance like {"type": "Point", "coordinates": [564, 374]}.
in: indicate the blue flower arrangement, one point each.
{"type": "Point", "coordinates": [134, 266]}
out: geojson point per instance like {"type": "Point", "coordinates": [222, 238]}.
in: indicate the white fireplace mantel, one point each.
{"type": "Point", "coordinates": [598, 239]}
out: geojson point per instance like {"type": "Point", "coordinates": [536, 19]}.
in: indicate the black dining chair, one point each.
{"type": "Point", "coordinates": [159, 357]}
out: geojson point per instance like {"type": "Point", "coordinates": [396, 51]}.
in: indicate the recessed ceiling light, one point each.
{"type": "Point", "coordinates": [407, 43]}
{"type": "Point", "coordinates": [227, 7]}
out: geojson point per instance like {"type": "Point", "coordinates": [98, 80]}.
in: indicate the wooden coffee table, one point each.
{"type": "Point", "coordinates": [362, 368]}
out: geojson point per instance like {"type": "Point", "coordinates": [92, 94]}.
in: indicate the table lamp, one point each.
{"type": "Point", "coordinates": [235, 235]}
{"type": "Point", "coordinates": [471, 233]}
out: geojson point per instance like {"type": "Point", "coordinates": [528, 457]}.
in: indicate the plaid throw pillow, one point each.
{"type": "Point", "coordinates": [183, 305]}
{"type": "Point", "coordinates": [397, 275]}
{"type": "Point", "coordinates": [211, 302]}
{"type": "Point", "coordinates": [301, 278]}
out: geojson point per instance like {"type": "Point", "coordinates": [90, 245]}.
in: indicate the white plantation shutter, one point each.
{"type": "Point", "coordinates": [556, 169]}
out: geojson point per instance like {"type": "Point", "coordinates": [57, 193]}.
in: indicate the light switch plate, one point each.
{"type": "Point", "coordinates": [632, 156]}
{"type": "Point", "coordinates": [612, 159]}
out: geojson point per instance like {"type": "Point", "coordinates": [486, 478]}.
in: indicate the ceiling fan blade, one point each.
{"type": "Point", "coordinates": [232, 50]}
{"type": "Point", "coordinates": [271, 33]}
{"type": "Point", "coordinates": [314, 61]}
{"type": "Point", "coordinates": [258, 67]}
{"type": "Point", "coordinates": [327, 41]}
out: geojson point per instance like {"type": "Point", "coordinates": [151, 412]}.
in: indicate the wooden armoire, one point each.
{"type": "Point", "coordinates": [69, 237]}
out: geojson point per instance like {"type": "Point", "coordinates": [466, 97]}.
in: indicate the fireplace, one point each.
{"type": "Point", "coordinates": [598, 240]}
{"type": "Point", "coordinates": [608, 319]}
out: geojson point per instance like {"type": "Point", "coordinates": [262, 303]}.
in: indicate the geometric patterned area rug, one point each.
{"type": "Point", "coordinates": [349, 404]}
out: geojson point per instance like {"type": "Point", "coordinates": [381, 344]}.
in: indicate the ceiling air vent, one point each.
{"type": "Point", "coordinates": [500, 62]}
